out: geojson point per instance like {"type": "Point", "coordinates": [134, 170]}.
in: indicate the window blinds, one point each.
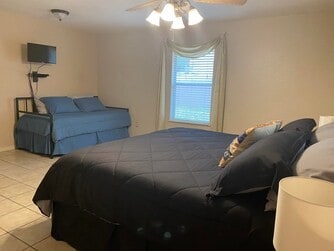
{"type": "Point", "coordinates": [191, 88]}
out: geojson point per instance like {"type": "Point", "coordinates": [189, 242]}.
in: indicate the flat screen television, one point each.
{"type": "Point", "coordinates": [39, 53]}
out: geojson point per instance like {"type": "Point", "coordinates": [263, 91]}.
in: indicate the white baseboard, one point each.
{"type": "Point", "coordinates": [7, 148]}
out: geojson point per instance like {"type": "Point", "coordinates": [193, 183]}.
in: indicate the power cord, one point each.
{"type": "Point", "coordinates": [30, 75]}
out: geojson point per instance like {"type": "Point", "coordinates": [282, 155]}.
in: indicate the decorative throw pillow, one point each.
{"type": "Point", "coordinates": [260, 166]}
{"type": "Point", "coordinates": [302, 125]}
{"type": "Point", "coordinates": [317, 161]}
{"type": "Point", "coordinates": [40, 106]}
{"type": "Point", "coordinates": [322, 133]}
{"type": "Point", "coordinates": [89, 104]}
{"type": "Point", "coordinates": [249, 137]}
{"type": "Point", "coordinates": [59, 104]}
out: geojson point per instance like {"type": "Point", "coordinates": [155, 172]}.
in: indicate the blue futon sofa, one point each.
{"type": "Point", "coordinates": [59, 125]}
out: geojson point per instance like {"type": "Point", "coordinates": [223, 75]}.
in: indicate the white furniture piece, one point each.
{"type": "Point", "coordinates": [305, 215]}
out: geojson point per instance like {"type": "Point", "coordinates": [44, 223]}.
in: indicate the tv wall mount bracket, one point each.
{"type": "Point", "coordinates": [35, 75]}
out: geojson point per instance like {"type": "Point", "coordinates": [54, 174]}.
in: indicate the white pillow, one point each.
{"type": "Point", "coordinates": [324, 120]}
{"type": "Point", "coordinates": [40, 106]}
{"type": "Point", "coordinates": [322, 133]}
{"type": "Point", "coordinates": [317, 161]}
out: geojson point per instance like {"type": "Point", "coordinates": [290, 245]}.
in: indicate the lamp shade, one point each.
{"type": "Point", "coordinates": [178, 23]}
{"type": "Point", "coordinates": [168, 12]}
{"type": "Point", "coordinates": [154, 18]}
{"type": "Point", "coordinates": [194, 17]}
{"type": "Point", "coordinates": [305, 215]}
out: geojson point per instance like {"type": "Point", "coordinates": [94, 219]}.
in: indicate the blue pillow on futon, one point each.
{"type": "Point", "coordinates": [59, 104]}
{"type": "Point", "coordinates": [89, 104]}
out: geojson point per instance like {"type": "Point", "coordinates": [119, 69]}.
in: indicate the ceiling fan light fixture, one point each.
{"type": "Point", "coordinates": [169, 10]}
{"type": "Point", "coordinates": [194, 17]}
{"type": "Point", "coordinates": [60, 14]}
{"type": "Point", "coordinates": [154, 18]}
{"type": "Point", "coordinates": [168, 13]}
{"type": "Point", "coordinates": [178, 23]}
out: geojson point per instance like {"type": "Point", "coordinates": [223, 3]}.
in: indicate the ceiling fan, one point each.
{"type": "Point", "coordinates": [155, 2]}
{"type": "Point", "coordinates": [173, 10]}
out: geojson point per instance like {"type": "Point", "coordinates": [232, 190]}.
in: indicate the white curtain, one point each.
{"type": "Point", "coordinates": [219, 78]}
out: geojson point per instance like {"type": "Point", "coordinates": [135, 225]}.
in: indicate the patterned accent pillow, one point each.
{"type": "Point", "coordinates": [249, 137]}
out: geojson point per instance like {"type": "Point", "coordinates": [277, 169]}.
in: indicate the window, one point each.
{"type": "Point", "coordinates": [191, 88]}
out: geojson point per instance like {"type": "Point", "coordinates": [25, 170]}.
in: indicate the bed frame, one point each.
{"type": "Point", "coordinates": [85, 232]}
{"type": "Point", "coordinates": [26, 105]}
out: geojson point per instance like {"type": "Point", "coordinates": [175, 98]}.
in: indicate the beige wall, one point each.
{"type": "Point", "coordinates": [129, 74]}
{"type": "Point", "coordinates": [278, 68]}
{"type": "Point", "coordinates": [74, 74]}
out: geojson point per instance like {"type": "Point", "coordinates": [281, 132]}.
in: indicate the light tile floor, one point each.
{"type": "Point", "coordinates": [22, 226]}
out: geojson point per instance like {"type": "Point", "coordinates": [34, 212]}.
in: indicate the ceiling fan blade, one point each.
{"type": "Point", "coordinates": [143, 5]}
{"type": "Point", "coordinates": [236, 2]}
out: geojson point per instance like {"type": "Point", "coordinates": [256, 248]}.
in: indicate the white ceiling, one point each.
{"type": "Point", "coordinates": [111, 14]}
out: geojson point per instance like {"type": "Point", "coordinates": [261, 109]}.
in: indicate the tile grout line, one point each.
{"type": "Point", "coordinates": [26, 206]}
{"type": "Point", "coordinates": [7, 197]}
{"type": "Point", "coordinates": [18, 181]}
{"type": "Point", "coordinates": [26, 242]}
{"type": "Point", "coordinates": [11, 212]}
{"type": "Point", "coordinates": [29, 246]}
{"type": "Point", "coordinates": [40, 217]}
{"type": "Point", "coordinates": [43, 166]}
{"type": "Point", "coordinates": [41, 241]}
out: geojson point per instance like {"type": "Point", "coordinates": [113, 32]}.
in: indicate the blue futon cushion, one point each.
{"type": "Point", "coordinates": [89, 104]}
{"type": "Point", "coordinates": [59, 104]}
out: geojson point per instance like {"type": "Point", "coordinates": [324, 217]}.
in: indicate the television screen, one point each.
{"type": "Point", "coordinates": [39, 53]}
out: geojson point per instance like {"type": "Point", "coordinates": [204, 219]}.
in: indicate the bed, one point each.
{"type": "Point", "coordinates": [157, 192]}
{"type": "Point", "coordinates": [67, 124]}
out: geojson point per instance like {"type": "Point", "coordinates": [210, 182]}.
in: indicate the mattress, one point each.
{"type": "Point", "coordinates": [66, 125]}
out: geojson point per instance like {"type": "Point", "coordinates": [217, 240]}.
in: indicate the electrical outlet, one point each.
{"type": "Point", "coordinates": [136, 124]}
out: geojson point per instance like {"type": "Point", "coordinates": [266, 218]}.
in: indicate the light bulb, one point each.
{"type": "Point", "coordinates": [154, 18]}
{"type": "Point", "coordinates": [194, 17]}
{"type": "Point", "coordinates": [178, 23]}
{"type": "Point", "coordinates": [168, 12]}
